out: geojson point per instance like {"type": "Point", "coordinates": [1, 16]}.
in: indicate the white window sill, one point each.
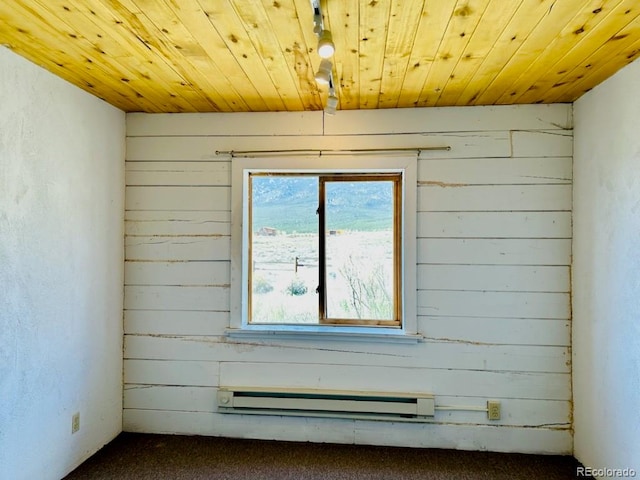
{"type": "Point", "coordinates": [325, 333]}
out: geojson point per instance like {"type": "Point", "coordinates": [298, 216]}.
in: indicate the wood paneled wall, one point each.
{"type": "Point", "coordinates": [494, 250]}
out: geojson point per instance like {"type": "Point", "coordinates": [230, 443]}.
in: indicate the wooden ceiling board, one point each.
{"type": "Point", "coordinates": [133, 64]}
{"type": "Point", "coordinates": [401, 32]}
{"type": "Point", "coordinates": [608, 33]}
{"type": "Point", "coordinates": [292, 41]}
{"type": "Point", "coordinates": [550, 27]}
{"type": "Point", "coordinates": [121, 47]}
{"type": "Point", "coordinates": [230, 28]}
{"type": "Point", "coordinates": [431, 28]}
{"type": "Point", "coordinates": [496, 18]}
{"type": "Point", "coordinates": [161, 31]}
{"type": "Point", "coordinates": [596, 68]}
{"type": "Point", "coordinates": [503, 48]}
{"type": "Point", "coordinates": [46, 50]}
{"type": "Point", "coordinates": [583, 25]}
{"type": "Point", "coordinates": [250, 55]}
{"type": "Point", "coordinates": [462, 24]}
{"type": "Point", "coordinates": [265, 42]}
{"type": "Point", "coordinates": [347, 59]}
{"type": "Point", "coordinates": [374, 17]}
{"type": "Point", "coordinates": [203, 46]}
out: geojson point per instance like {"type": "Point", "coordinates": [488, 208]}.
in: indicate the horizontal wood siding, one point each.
{"type": "Point", "coordinates": [493, 299]}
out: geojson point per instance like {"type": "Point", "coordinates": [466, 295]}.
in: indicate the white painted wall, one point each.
{"type": "Point", "coordinates": [61, 271]}
{"type": "Point", "coordinates": [606, 273]}
{"type": "Point", "coordinates": [494, 251]}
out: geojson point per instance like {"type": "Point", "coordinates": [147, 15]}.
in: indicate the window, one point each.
{"type": "Point", "coordinates": [324, 248]}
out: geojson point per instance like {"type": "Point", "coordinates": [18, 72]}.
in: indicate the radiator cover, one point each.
{"type": "Point", "coordinates": [403, 407]}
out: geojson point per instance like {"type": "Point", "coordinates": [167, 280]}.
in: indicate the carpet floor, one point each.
{"type": "Point", "coordinates": [146, 456]}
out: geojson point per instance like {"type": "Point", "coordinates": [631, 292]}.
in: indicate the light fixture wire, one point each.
{"type": "Point", "coordinates": [332, 99]}
{"type": "Point", "coordinates": [318, 22]}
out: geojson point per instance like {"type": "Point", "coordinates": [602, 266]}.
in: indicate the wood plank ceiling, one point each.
{"type": "Point", "coordinates": [260, 55]}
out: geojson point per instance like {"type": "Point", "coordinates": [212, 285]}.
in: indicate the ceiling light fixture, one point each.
{"type": "Point", "coordinates": [326, 49]}
{"type": "Point", "coordinates": [332, 99]}
{"type": "Point", "coordinates": [324, 74]}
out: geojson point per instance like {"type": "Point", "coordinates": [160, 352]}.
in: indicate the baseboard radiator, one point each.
{"type": "Point", "coordinates": [401, 407]}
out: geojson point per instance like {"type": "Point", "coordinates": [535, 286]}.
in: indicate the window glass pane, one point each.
{"type": "Point", "coordinates": [284, 249]}
{"type": "Point", "coordinates": [359, 250]}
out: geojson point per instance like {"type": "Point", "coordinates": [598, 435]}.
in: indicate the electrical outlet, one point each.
{"type": "Point", "coordinates": [493, 409]}
{"type": "Point", "coordinates": [75, 422]}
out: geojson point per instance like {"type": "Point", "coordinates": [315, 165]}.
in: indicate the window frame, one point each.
{"type": "Point", "coordinates": [352, 165]}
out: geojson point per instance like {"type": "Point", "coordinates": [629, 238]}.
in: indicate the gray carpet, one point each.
{"type": "Point", "coordinates": [144, 456]}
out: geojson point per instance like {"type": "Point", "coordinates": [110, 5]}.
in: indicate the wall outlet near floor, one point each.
{"type": "Point", "coordinates": [75, 422]}
{"type": "Point", "coordinates": [493, 409]}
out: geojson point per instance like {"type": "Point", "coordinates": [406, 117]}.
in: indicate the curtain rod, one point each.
{"type": "Point", "coordinates": [324, 152]}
